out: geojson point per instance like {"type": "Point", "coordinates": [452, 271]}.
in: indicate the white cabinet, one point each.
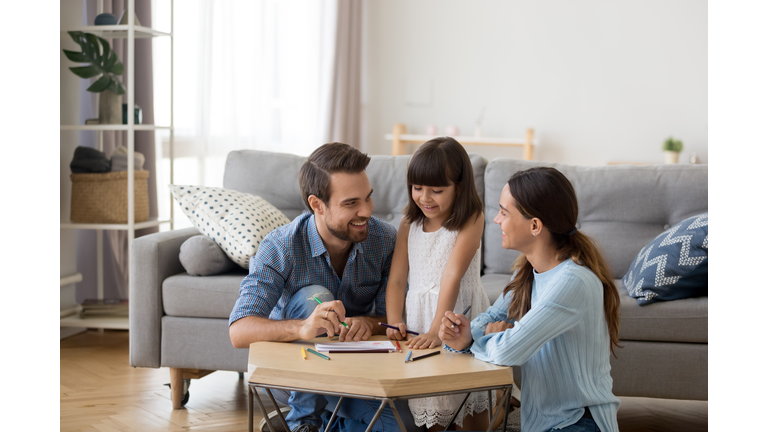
{"type": "Point", "coordinates": [131, 32]}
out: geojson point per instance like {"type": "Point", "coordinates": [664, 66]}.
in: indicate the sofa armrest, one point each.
{"type": "Point", "coordinates": [154, 257]}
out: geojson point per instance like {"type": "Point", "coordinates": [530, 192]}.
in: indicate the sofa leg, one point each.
{"type": "Point", "coordinates": [177, 387]}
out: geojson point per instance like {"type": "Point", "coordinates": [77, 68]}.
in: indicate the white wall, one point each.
{"type": "Point", "coordinates": [598, 81]}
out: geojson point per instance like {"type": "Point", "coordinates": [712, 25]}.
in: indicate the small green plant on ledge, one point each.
{"type": "Point", "coordinates": [672, 145]}
{"type": "Point", "coordinates": [105, 65]}
{"type": "Point", "coordinates": [103, 61]}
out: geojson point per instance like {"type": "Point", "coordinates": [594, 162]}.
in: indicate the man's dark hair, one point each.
{"type": "Point", "coordinates": [315, 174]}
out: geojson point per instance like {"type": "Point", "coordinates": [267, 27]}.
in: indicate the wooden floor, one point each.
{"type": "Point", "coordinates": [100, 391]}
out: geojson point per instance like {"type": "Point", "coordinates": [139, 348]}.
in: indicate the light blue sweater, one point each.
{"type": "Point", "coordinates": [563, 348]}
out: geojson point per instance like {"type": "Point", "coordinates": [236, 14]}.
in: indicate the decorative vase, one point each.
{"type": "Point", "coordinates": [478, 130]}
{"type": "Point", "coordinates": [110, 108]}
{"type": "Point", "coordinates": [671, 157]}
{"type": "Point", "coordinates": [452, 131]}
{"type": "Point", "coordinates": [431, 130]}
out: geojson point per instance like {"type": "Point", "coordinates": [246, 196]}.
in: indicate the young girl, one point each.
{"type": "Point", "coordinates": [438, 255]}
{"type": "Point", "coordinates": [566, 306]}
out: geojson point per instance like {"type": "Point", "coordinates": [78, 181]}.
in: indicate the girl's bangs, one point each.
{"type": "Point", "coordinates": [428, 170]}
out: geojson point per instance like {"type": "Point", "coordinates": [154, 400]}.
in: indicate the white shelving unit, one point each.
{"type": "Point", "coordinates": [131, 32]}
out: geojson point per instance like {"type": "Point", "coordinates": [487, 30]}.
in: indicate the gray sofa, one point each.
{"type": "Point", "coordinates": [181, 321]}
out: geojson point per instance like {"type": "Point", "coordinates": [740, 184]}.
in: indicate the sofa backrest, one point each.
{"type": "Point", "coordinates": [274, 177]}
{"type": "Point", "coordinates": [622, 207]}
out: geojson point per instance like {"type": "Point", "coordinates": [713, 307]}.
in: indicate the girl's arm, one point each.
{"type": "Point", "coordinates": [398, 281]}
{"type": "Point", "coordinates": [467, 244]}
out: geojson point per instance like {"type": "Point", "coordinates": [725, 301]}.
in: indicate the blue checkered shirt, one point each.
{"type": "Point", "coordinates": [294, 256]}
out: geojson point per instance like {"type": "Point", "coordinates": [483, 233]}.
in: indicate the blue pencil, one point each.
{"type": "Point", "coordinates": [407, 359]}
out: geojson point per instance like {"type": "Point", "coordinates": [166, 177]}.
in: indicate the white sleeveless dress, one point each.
{"type": "Point", "coordinates": [428, 254]}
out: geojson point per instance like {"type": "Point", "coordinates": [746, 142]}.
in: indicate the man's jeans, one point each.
{"type": "Point", "coordinates": [354, 414]}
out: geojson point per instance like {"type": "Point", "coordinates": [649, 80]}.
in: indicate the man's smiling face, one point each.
{"type": "Point", "coordinates": [350, 206]}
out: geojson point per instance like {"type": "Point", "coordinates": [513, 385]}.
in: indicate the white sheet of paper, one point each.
{"type": "Point", "coordinates": [355, 346]}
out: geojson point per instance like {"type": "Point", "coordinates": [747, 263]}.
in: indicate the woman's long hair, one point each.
{"type": "Point", "coordinates": [545, 193]}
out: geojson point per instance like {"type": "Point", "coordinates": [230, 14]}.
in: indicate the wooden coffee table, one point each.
{"type": "Point", "coordinates": [377, 376]}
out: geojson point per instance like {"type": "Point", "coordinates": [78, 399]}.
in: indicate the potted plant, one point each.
{"type": "Point", "coordinates": [103, 63]}
{"type": "Point", "coordinates": [672, 149]}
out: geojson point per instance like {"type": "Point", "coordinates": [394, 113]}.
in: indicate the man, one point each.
{"type": "Point", "coordinates": [336, 252]}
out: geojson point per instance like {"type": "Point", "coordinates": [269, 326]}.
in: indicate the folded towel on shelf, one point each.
{"type": "Point", "coordinates": [119, 159]}
{"type": "Point", "coordinates": [88, 160]}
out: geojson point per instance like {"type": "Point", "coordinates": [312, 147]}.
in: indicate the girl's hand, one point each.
{"type": "Point", "coordinates": [498, 326]}
{"type": "Point", "coordinates": [458, 337]}
{"type": "Point", "coordinates": [425, 341]}
{"type": "Point", "coordinates": [397, 334]}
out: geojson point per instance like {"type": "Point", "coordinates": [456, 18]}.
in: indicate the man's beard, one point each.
{"type": "Point", "coordinates": [347, 234]}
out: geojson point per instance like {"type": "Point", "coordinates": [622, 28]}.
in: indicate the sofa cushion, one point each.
{"type": "Point", "coordinates": [682, 320]}
{"type": "Point", "coordinates": [623, 207]}
{"type": "Point", "coordinates": [209, 297]}
{"type": "Point", "coordinates": [236, 221]}
{"type": "Point", "coordinates": [201, 256]}
{"type": "Point", "coordinates": [674, 265]}
{"type": "Point", "coordinates": [386, 173]}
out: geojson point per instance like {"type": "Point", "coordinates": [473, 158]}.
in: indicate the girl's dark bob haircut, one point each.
{"type": "Point", "coordinates": [440, 162]}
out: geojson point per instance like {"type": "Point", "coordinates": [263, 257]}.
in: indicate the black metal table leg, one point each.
{"type": "Point", "coordinates": [279, 413]}
{"type": "Point", "coordinates": [264, 411]}
{"type": "Point", "coordinates": [376, 416]}
{"type": "Point", "coordinates": [333, 416]}
{"type": "Point", "coordinates": [250, 409]}
{"type": "Point", "coordinates": [397, 415]}
{"type": "Point", "coordinates": [503, 399]}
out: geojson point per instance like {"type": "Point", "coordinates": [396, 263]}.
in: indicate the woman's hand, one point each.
{"type": "Point", "coordinates": [458, 337]}
{"type": "Point", "coordinates": [425, 341]}
{"type": "Point", "coordinates": [401, 334]}
{"type": "Point", "coordinates": [498, 326]}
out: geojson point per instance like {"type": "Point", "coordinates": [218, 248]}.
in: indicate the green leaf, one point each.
{"type": "Point", "coordinates": [117, 87]}
{"type": "Point", "coordinates": [77, 56]}
{"type": "Point", "coordinates": [106, 52]}
{"type": "Point", "coordinates": [93, 44]}
{"type": "Point", "coordinates": [110, 61]}
{"type": "Point", "coordinates": [117, 69]}
{"type": "Point", "coordinates": [104, 61]}
{"type": "Point", "coordinates": [101, 84]}
{"type": "Point", "coordinates": [76, 36]}
{"type": "Point", "coordinates": [86, 71]}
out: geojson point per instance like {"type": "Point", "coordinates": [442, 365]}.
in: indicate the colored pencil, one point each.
{"type": "Point", "coordinates": [425, 356]}
{"type": "Point", "coordinates": [318, 354]}
{"type": "Point", "coordinates": [407, 359]}
{"type": "Point", "coordinates": [465, 314]}
{"type": "Point", "coordinates": [398, 347]}
{"type": "Point", "coordinates": [397, 328]}
{"type": "Point", "coordinates": [342, 322]}
{"type": "Point", "coordinates": [303, 353]}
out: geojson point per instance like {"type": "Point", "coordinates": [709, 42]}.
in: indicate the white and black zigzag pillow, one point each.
{"type": "Point", "coordinates": [672, 266]}
{"type": "Point", "coordinates": [236, 221]}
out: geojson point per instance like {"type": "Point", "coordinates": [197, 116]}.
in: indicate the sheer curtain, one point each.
{"type": "Point", "coordinates": [255, 75]}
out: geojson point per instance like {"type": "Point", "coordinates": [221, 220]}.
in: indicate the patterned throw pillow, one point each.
{"type": "Point", "coordinates": [236, 221]}
{"type": "Point", "coordinates": [672, 266]}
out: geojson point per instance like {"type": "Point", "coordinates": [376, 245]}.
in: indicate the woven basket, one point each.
{"type": "Point", "coordinates": [103, 197]}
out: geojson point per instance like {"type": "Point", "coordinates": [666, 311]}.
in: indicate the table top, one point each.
{"type": "Point", "coordinates": [370, 374]}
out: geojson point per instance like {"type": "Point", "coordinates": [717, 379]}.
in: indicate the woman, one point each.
{"type": "Point", "coordinates": [564, 306]}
